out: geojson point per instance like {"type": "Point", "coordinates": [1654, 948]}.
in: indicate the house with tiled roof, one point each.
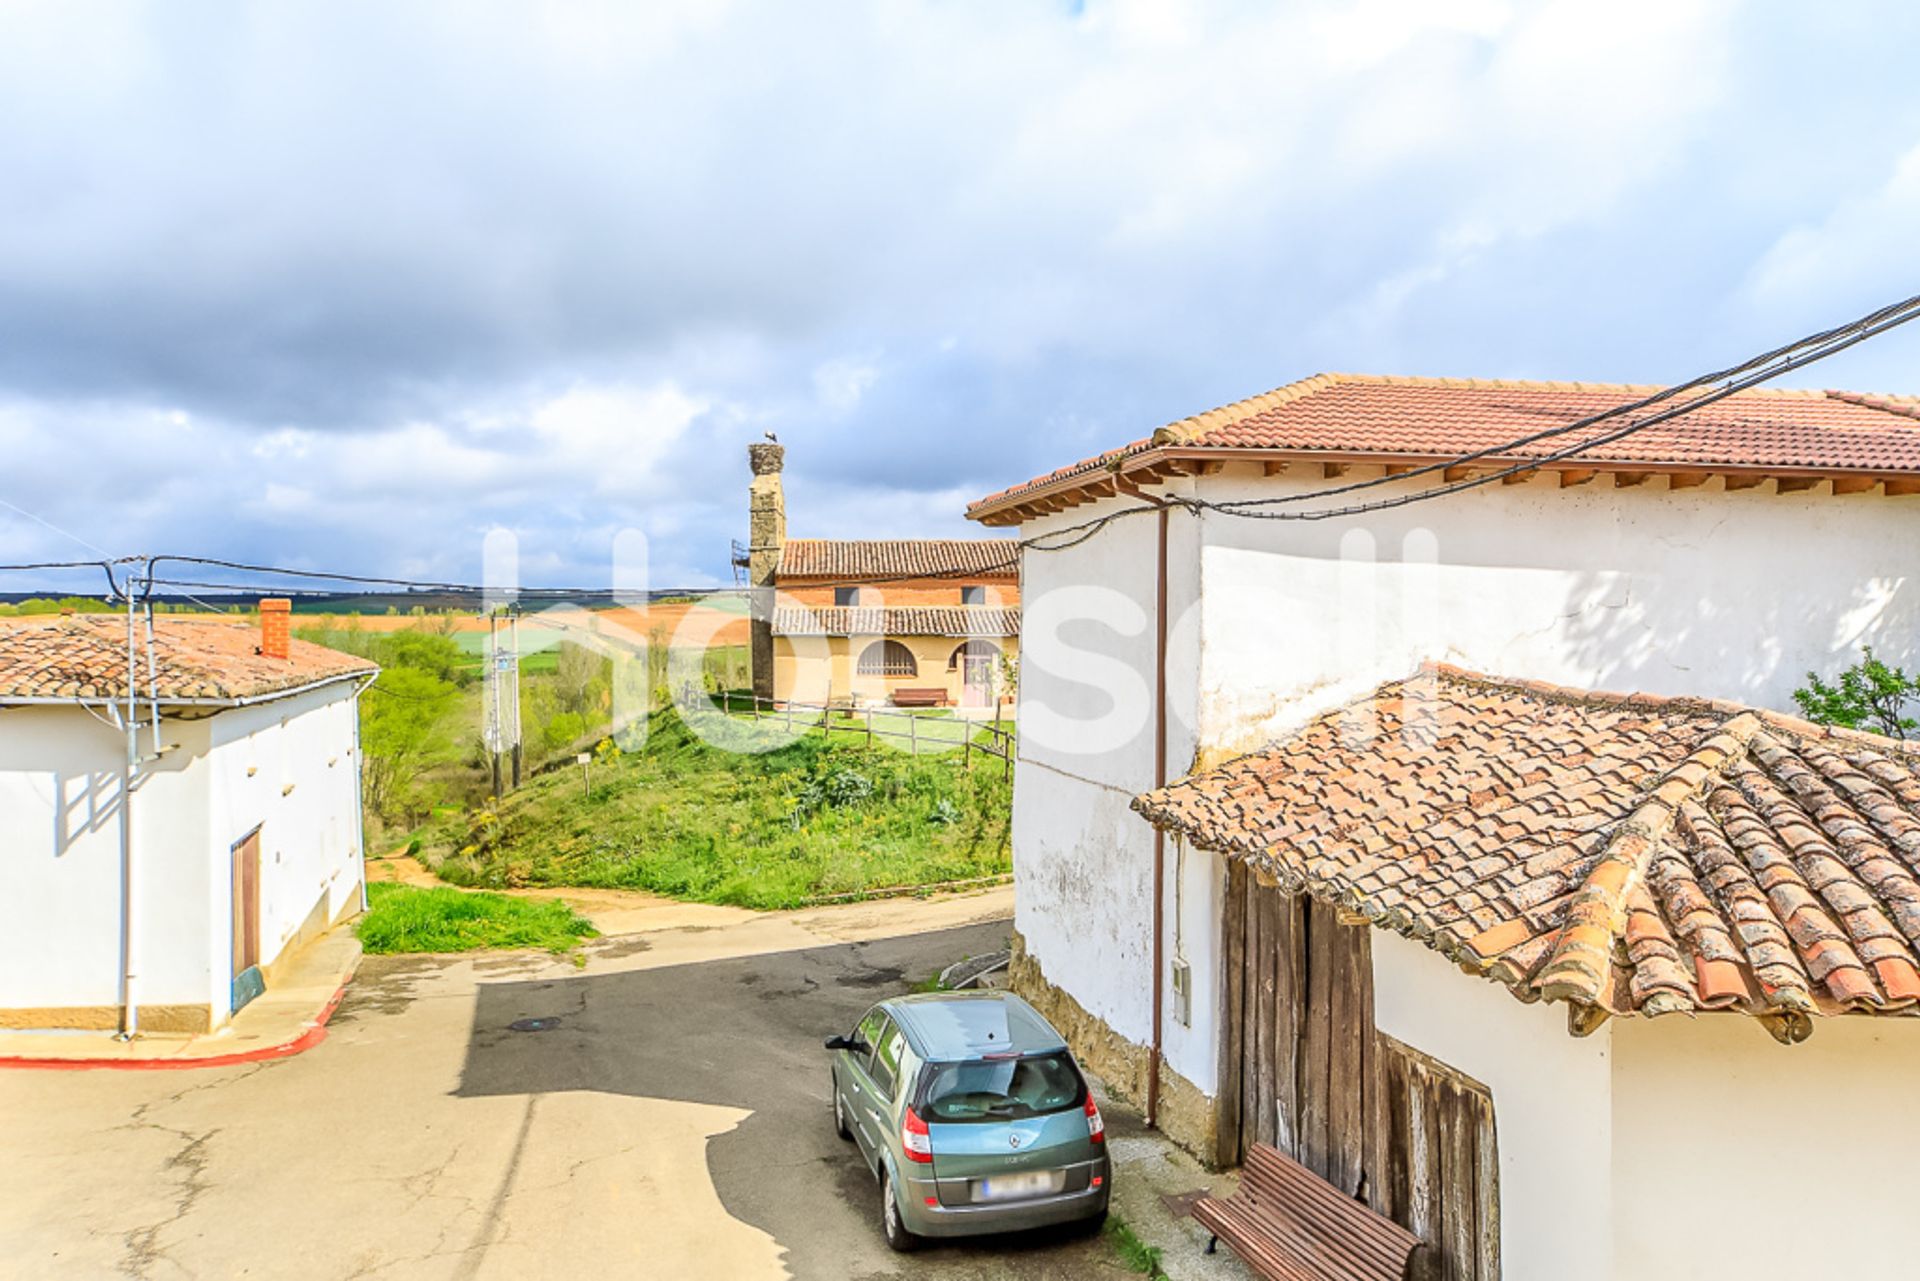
{"type": "Point", "coordinates": [170, 841]}
{"type": "Point", "coordinates": [865, 622]}
{"type": "Point", "coordinates": [1328, 836]}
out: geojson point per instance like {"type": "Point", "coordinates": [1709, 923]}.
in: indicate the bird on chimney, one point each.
{"type": "Point", "coordinates": [770, 436]}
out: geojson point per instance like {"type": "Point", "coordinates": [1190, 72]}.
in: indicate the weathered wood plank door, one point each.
{"type": "Point", "coordinates": [246, 921]}
{"type": "Point", "coordinates": [1305, 1071]}
{"type": "Point", "coordinates": [1436, 1162]}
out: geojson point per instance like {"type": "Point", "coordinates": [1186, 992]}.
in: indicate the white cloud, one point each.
{"type": "Point", "coordinates": [1866, 244]}
{"type": "Point", "coordinates": [840, 383]}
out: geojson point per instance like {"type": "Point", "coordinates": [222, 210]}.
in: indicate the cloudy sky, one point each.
{"type": "Point", "coordinates": [345, 285]}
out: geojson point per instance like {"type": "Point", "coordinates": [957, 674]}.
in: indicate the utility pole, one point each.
{"type": "Point", "coordinates": [513, 690]}
{"type": "Point", "coordinates": [501, 728]}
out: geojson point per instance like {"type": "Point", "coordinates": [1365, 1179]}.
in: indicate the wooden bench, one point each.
{"type": "Point", "coordinates": [1291, 1225]}
{"type": "Point", "coordinates": [933, 697]}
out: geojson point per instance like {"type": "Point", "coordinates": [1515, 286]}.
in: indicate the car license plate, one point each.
{"type": "Point", "coordinates": [1009, 1187]}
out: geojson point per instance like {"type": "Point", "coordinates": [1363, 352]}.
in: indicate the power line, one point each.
{"type": "Point", "coordinates": [1706, 389]}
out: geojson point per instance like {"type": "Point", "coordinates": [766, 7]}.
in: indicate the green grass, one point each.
{"type": "Point", "coordinates": [1133, 1252]}
{"type": "Point", "coordinates": [777, 828]}
{"type": "Point", "coordinates": [404, 918]}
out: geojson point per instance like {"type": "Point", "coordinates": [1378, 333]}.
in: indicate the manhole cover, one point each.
{"type": "Point", "coordinates": [533, 1025]}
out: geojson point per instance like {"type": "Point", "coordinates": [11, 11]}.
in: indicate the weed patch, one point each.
{"type": "Point", "coordinates": [804, 820]}
{"type": "Point", "coordinates": [403, 918]}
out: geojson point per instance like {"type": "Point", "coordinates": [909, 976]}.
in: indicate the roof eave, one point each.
{"type": "Point", "coordinates": [1064, 492]}
{"type": "Point", "coordinates": [120, 700]}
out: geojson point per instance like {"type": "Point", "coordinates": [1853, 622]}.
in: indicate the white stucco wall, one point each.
{"type": "Point", "coordinates": [60, 845]}
{"type": "Point", "coordinates": [1552, 1092]}
{"type": "Point", "coordinates": [1698, 591]}
{"type": "Point", "coordinates": [288, 768]}
{"type": "Point", "coordinates": [1695, 591]}
{"type": "Point", "coordinates": [1082, 860]}
{"type": "Point", "coordinates": [1735, 1157]}
{"type": "Point", "coordinates": [60, 863]}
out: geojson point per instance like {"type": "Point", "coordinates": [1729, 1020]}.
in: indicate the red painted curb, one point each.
{"type": "Point", "coordinates": [316, 1032]}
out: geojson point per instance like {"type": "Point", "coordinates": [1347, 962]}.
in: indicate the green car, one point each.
{"type": "Point", "coordinates": [972, 1115]}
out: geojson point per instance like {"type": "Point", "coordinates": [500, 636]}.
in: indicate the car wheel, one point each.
{"type": "Point", "coordinates": [898, 1237]}
{"type": "Point", "coordinates": [840, 1126]}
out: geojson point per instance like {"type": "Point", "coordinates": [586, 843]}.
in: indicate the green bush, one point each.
{"type": "Point", "coordinates": [404, 918]}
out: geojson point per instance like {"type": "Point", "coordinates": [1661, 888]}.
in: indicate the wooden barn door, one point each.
{"type": "Point", "coordinates": [246, 921]}
{"type": "Point", "coordinates": [1306, 1072]}
{"type": "Point", "coordinates": [1436, 1164]}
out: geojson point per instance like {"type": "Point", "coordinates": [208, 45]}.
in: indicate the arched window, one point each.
{"type": "Point", "coordinates": [887, 658]}
{"type": "Point", "coordinates": [972, 649]}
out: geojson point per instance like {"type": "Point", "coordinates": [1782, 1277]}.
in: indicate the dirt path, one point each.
{"type": "Point", "coordinates": [618, 912]}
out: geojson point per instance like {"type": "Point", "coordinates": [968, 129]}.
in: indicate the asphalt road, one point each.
{"type": "Point", "coordinates": [657, 1118]}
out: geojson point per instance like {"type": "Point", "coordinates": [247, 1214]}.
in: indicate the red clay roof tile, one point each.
{"type": "Point", "coordinates": [1349, 415]}
{"type": "Point", "coordinates": [1673, 855]}
{"type": "Point", "coordinates": [84, 658]}
{"type": "Point", "coordinates": [899, 558]}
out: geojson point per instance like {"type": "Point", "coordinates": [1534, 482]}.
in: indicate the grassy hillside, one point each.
{"type": "Point", "coordinates": [773, 829]}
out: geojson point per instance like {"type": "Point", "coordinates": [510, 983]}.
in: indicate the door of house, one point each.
{"type": "Point", "coordinates": [977, 680]}
{"type": "Point", "coordinates": [1305, 1071]}
{"type": "Point", "coordinates": [247, 982]}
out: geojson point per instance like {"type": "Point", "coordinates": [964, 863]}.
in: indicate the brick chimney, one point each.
{"type": "Point", "coordinates": [276, 621]}
{"type": "Point", "coordinates": [766, 535]}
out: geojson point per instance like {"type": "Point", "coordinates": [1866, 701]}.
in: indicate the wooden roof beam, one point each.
{"type": "Point", "coordinates": [1274, 467]}
{"type": "Point", "coordinates": [1903, 486]}
{"type": "Point", "coordinates": [1744, 480]}
{"type": "Point", "coordinates": [1333, 471]}
{"type": "Point", "coordinates": [1576, 476]}
{"type": "Point", "coordinates": [1628, 479]}
{"type": "Point", "coordinates": [1854, 484]}
{"type": "Point", "coordinates": [1519, 477]}
{"type": "Point", "coordinates": [1687, 479]}
{"type": "Point", "coordinates": [1399, 469]}
{"type": "Point", "coordinates": [1795, 484]}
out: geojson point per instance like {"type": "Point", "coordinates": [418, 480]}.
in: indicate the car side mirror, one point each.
{"type": "Point", "coordinates": [840, 1043]}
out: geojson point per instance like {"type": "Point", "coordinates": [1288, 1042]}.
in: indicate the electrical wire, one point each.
{"type": "Point", "coordinates": [1705, 389]}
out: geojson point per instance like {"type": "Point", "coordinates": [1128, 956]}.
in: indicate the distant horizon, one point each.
{"type": "Point", "coordinates": [344, 290]}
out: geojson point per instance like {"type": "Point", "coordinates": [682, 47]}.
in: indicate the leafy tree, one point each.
{"type": "Point", "coordinates": [1869, 695]}
{"type": "Point", "coordinates": [404, 721]}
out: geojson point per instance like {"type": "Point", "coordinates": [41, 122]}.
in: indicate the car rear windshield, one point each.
{"type": "Point", "coordinates": [1001, 1089]}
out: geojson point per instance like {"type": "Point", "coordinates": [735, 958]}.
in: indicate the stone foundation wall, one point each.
{"type": "Point", "coordinates": [1187, 1115]}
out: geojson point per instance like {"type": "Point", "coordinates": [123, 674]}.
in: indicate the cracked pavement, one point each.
{"type": "Point", "coordinates": [668, 1119]}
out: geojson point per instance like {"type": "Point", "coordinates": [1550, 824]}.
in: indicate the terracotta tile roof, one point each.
{"type": "Point", "coordinates": [888, 557]}
{"type": "Point", "coordinates": [85, 658]}
{"type": "Point", "coordinates": [1359, 414]}
{"type": "Point", "coordinates": [908, 620]}
{"type": "Point", "coordinates": [1622, 853]}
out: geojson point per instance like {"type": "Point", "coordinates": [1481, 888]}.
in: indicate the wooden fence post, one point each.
{"type": "Point", "coordinates": [913, 735]}
{"type": "Point", "coordinates": [966, 747]}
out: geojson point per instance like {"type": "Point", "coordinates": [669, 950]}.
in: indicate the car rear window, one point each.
{"type": "Point", "coordinates": [1001, 1089]}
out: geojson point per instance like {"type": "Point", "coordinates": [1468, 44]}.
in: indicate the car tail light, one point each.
{"type": "Point", "coordinates": [914, 1138]}
{"type": "Point", "coordinates": [1096, 1125]}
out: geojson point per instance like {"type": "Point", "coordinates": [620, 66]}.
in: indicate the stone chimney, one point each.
{"type": "Point", "coordinates": [766, 534]}
{"type": "Point", "coordinates": [276, 621]}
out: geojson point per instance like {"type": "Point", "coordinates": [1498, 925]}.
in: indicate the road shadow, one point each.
{"type": "Point", "coordinates": [746, 1033]}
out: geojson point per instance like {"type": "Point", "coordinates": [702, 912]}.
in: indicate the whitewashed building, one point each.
{"type": "Point", "coordinates": [166, 904]}
{"type": "Point", "coordinates": [1719, 556]}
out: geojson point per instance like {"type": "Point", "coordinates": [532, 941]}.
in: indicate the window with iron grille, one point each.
{"type": "Point", "coordinates": [887, 658]}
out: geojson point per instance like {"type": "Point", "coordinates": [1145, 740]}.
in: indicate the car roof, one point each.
{"type": "Point", "coordinates": [954, 1025]}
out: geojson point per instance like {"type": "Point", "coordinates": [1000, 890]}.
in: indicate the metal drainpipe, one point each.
{"type": "Point", "coordinates": [1154, 1049]}
{"type": "Point", "coordinates": [129, 938]}
{"type": "Point", "coordinates": [359, 781]}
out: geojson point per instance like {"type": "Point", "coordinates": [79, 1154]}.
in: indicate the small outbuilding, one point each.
{"type": "Point", "coordinates": [164, 850]}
